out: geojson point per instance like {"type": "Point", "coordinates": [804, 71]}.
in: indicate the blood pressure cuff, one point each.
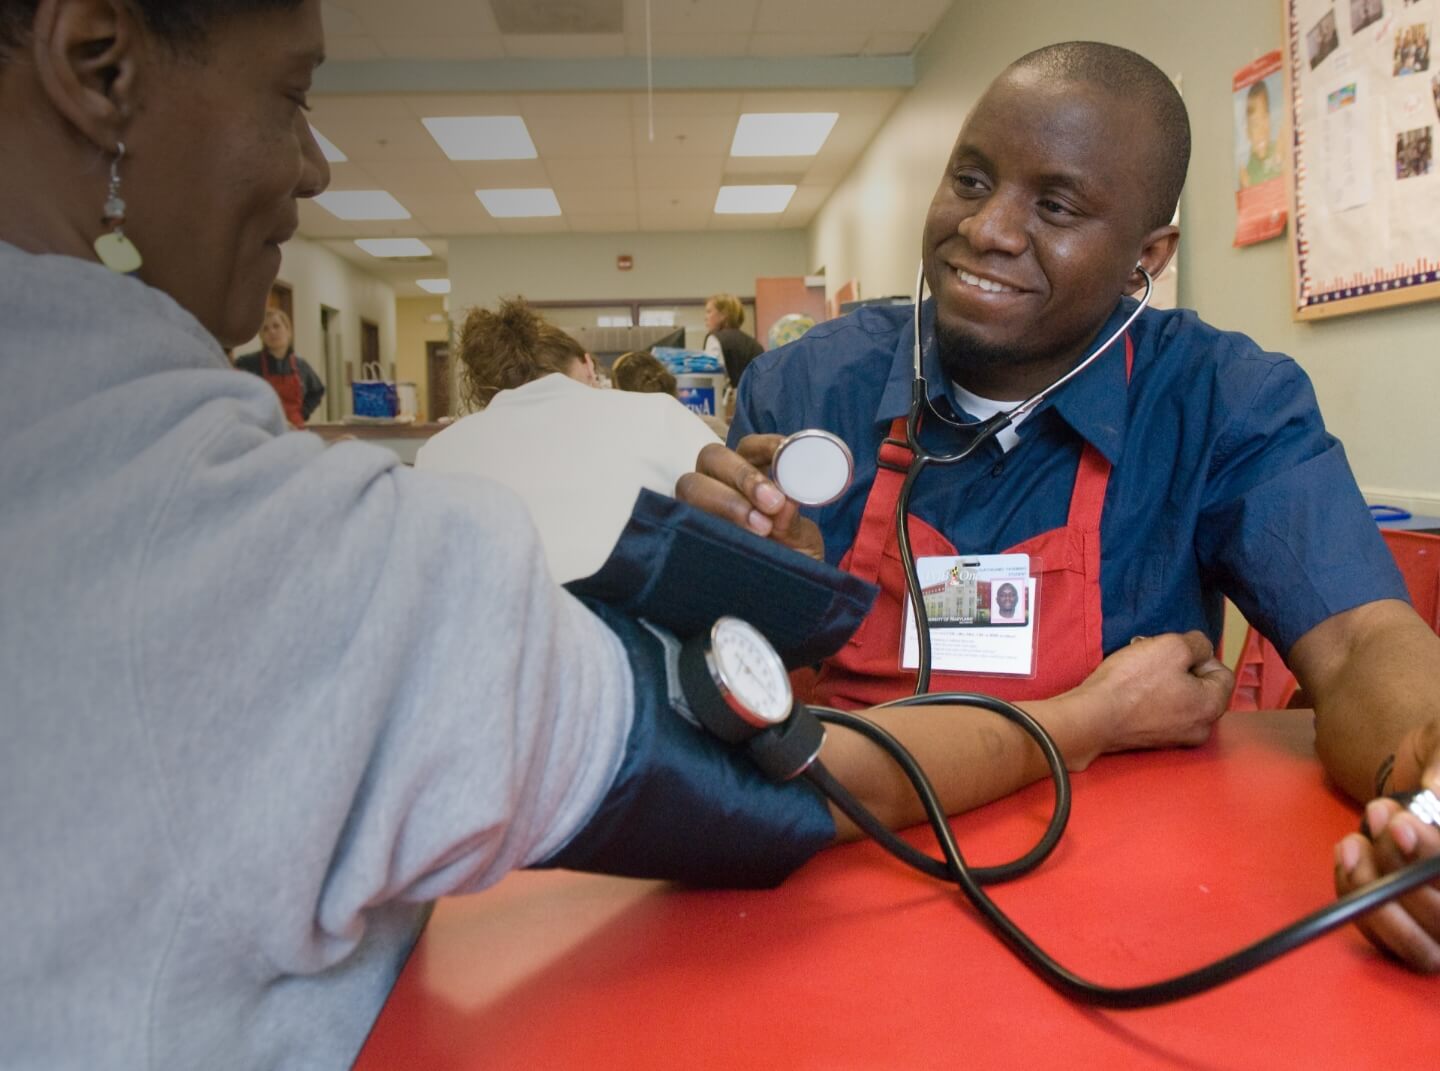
{"type": "Point", "coordinates": [685, 806]}
{"type": "Point", "coordinates": [682, 568]}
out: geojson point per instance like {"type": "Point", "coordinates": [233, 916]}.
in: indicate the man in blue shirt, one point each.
{"type": "Point", "coordinates": [1185, 465]}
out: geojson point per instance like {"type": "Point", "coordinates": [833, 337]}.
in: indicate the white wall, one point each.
{"type": "Point", "coordinates": [1376, 373]}
{"type": "Point", "coordinates": [319, 277]}
{"type": "Point", "coordinates": [582, 266]}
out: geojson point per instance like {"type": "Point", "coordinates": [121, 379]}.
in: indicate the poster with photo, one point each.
{"type": "Point", "coordinates": [1363, 111]}
{"type": "Point", "coordinates": [1258, 96]}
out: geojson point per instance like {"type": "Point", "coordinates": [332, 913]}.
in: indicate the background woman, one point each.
{"type": "Point", "coordinates": [724, 316]}
{"type": "Point", "coordinates": [276, 362]}
{"type": "Point", "coordinates": [576, 455]}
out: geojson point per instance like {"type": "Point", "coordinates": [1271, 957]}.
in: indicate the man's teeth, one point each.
{"type": "Point", "coordinates": [985, 284]}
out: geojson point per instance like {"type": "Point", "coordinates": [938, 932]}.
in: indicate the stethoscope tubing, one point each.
{"type": "Point", "coordinates": [984, 431]}
{"type": "Point", "coordinates": [970, 881]}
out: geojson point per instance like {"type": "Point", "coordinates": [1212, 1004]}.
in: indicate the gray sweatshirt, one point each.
{"type": "Point", "coordinates": [230, 780]}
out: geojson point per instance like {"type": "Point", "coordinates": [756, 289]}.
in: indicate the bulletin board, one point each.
{"type": "Point", "coordinates": [1363, 94]}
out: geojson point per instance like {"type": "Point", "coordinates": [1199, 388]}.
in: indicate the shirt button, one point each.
{"type": "Point", "coordinates": [998, 469]}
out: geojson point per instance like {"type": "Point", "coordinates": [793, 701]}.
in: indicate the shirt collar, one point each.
{"type": "Point", "coordinates": [1093, 404]}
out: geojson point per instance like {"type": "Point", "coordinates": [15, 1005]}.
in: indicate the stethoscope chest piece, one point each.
{"type": "Point", "coordinates": [812, 467]}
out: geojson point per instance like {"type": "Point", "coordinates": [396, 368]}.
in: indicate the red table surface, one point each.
{"type": "Point", "coordinates": [1171, 859]}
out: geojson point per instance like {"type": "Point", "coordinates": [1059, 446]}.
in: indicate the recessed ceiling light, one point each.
{"type": "Point", "coordinates": [482, 137]}
{"type": "Point", "coordinates": [782, 133]}
{"type": "Point", "coordinates": [434, 286]}
{"type": "Point", "coordinates": [327, 147]}
{"type": "Point", "coordinates": [505, 204]}
{"type": "Point", "coordinates": [361, 204]}
{"type": "Point", "coordinates": [393, 247]}
{"type": "Point", "coordinates": [753, 200]}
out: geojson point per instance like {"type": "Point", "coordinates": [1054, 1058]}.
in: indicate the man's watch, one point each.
{"type": "Point", "coordinates": [738, 688]}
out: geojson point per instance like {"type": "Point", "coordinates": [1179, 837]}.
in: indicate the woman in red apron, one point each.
{"type": "Point", "coordinates": [296, 383]}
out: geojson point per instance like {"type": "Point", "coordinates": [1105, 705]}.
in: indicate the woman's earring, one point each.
{"type": "Point", "coordinates": [115, 251]}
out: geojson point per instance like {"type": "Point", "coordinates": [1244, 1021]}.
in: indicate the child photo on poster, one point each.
{"type": "Point", "coordinates": [1258, 98]}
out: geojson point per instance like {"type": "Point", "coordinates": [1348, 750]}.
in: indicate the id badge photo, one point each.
{"type": "Point", "coordinates": [981, 611]}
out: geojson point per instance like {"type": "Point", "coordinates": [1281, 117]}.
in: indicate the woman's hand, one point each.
{"type": "Point", "coordinates": [1407, 928]}
{"type": "Point", "coordinates": [733, 485]}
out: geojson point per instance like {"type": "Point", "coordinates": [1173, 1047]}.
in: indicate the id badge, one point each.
{"type": "Point", "coordinates": [981, 611]}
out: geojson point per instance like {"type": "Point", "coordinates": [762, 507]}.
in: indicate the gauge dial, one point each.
{"type": "Point", "coordinates": [750, 673]}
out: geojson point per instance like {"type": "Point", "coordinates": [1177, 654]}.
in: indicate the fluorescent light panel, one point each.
{"type": "Point", "coordinates": [782, 133]}
{"type": "Point", "coordinates": [434, 286]}
{"type": "Point", "coordinates": [393, 247]}
{"type": "Point", "coordinates": [327, 147]}
{"type": "Point", "coordinates": [361, 204]}
{"type": "Point", "coordinates": [482, 137]}
{"type": "Point", "coordinates": [516, 204]}
{"type": "Point", "coordinates": [753, 200]}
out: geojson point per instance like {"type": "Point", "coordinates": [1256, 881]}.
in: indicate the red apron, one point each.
{"type": "Point", "coordinates": [1066, 560]}
{"type": "Point", "coordinates": [288, 385]}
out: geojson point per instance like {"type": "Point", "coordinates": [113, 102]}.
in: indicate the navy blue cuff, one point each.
{"type": "Point", "coordinates": [687, 807]}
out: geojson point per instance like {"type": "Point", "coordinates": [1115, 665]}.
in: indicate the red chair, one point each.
{"type": "Point", "coordinates": [1264, 682]}
{"type": "Point", "coordinates": [1262, 679]}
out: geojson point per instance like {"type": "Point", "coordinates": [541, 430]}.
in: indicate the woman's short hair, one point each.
{"type": "Point", "coordinates": [729, 308]}
{"type": "Point", "coordinates": [642, 372]}
{"type": "Point", "coordinates": [181, 23]}
{"type": "Point", "coordinates": [508, 348]}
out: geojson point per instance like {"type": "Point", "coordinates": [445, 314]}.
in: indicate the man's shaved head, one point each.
{"type": "Point", "coordinates": [1131, 76]}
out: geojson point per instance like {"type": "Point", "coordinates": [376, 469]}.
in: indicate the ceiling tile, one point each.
{"type": "Point", "coordinates": [564, 46]}
{"type": "Point", "coordinates": [689, 44]}
{"type": "Point", "coordinates": [501, 174]}
{"type": "Point", "coordinates": [534, 225]}
{"type": "Point", "coordinates": [443, 47]}
{"type": "Point", "coordinates": [687, 103]}
{"type": "Point", "coordinates": [691, 135]}
{"type": "Point", "coordinates": [402, 177]}
{"type": "Point", "coordinates": [596, 202]}
{"type": "Point", "coordinates": [814, 43]}
{"type": "Point", "coordinates": [680, 171]}
{"type": "Point", "coordinates": [605, 223]}
{"type": "Point", "coordinates": [886, 43]}
{"type": "Point", "coordinates": [557, 138]}
{"type": "Point", "coordinates": [697, 16]}
{"type": "Point", "coordinates": [596, 172]}
{"type": "Point", "coordinates": [804, 16]}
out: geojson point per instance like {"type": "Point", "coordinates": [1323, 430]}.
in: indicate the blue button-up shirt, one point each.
{"type": "Point", "coordinates": [1224, 480]}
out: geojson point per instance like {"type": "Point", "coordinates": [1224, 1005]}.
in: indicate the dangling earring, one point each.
{"type": "Point", "coordinates": [115, 251]}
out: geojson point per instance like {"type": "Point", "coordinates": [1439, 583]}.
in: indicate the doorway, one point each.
{"type": "Point", "coordinates": [337, 384]}
{"type": "Point", "coordinates": [441, 402]}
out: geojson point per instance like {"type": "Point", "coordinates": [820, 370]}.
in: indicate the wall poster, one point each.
{"type": "Point", "coordinates": [1364, 107]}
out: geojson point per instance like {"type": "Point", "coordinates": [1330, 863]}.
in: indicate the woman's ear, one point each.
{"type": "Point", "coordinates": [86, 55]}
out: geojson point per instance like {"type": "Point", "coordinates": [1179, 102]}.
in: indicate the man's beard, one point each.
{"type": "Point", "coordinates": [962, 355]}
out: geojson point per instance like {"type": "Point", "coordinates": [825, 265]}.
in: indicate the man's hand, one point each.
{"type": "Point", "coordinates": [733, 485]}
{"type": "Point", "coordinates": [1160, 691]}
{"type": "Point", "coordinates": [1408, 928]}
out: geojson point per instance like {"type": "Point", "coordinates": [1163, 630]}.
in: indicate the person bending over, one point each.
{"type": "Point", "coordinates": [577, 456]}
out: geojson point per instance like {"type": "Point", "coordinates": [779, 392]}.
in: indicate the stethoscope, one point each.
{"type": "Point", "coordinates": [982, 432]}
{"type": "Point", "coordinates": [814, 467]}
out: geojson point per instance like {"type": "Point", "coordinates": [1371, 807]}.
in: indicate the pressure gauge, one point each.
{"type": "Point", "coordinates": [735, 681]}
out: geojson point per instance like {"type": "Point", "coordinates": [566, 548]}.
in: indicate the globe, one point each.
{"type": "Point", "coordinates": [788, 328]}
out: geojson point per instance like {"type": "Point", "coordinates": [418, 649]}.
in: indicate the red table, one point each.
{"type": "Point", "coordinates": [1171, 859]}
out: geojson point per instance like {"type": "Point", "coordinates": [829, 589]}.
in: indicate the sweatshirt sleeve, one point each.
{"type": "Point", "coordinates": [399, 705]}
